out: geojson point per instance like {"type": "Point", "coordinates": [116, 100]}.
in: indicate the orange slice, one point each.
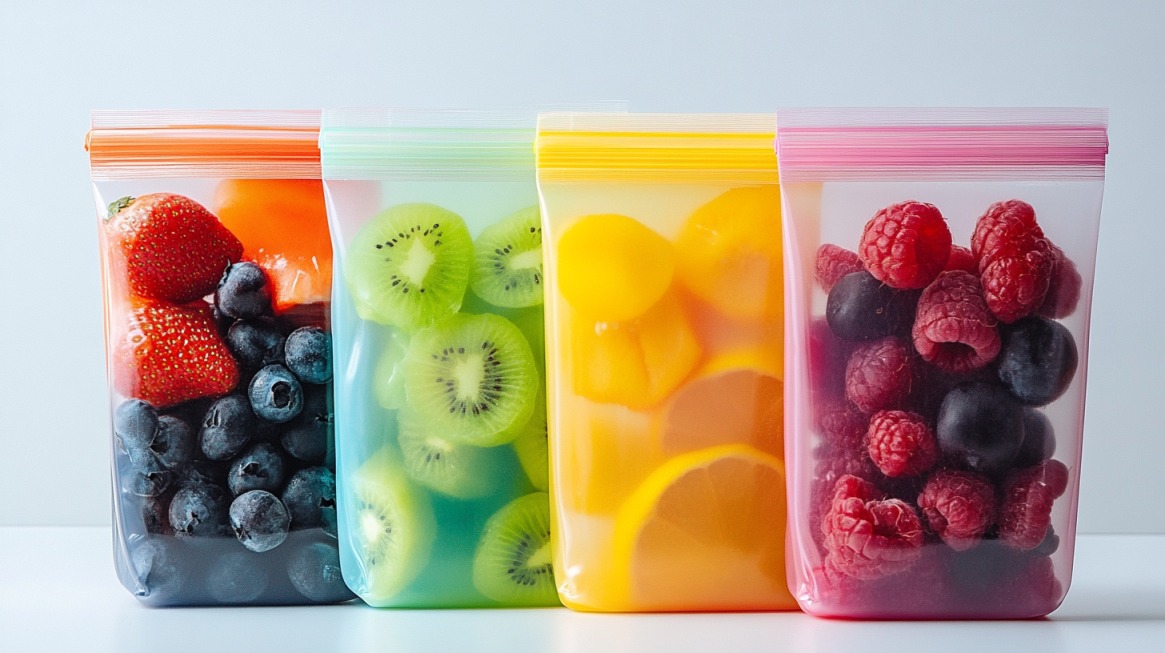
{"type": "Point", "coordinates": [283, 225]}
{"type": "Point", "coordinates": [736, 397]}
{"type": "Point", "coordinates": [636, 363]}
{"type": "Point", "coordinates": [612, 268]}
{"type": "Point", "coordinates": [706, 531]}
{"type": "Point", "coordinates": [729, 252]}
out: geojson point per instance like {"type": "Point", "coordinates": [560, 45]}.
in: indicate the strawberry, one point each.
{"type": "Point", "coordinates": [169, 246]}
{"type": "Point", "coordinates": [170, 354]}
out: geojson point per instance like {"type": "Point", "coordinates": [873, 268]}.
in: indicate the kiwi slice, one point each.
{"type": "Point", "coordinates": [391, 525]}
{"type": "Point", "coordinates": [507, 263]}
{"type": "Point", "coordinates": [461, 471]}
{"type": "Point", "coordinates": [471, 378]}
{"type": "Point", "coordinates": [409, 265]}
{"type": "Point", "coordinates": [388, 384]}
{"type": "Point", "coordinates": [532, 447]}
{"type": "Point", "coordinates": [513, 563]}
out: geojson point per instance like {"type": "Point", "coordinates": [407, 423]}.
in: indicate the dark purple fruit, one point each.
{"type": "Point", "coordinates": [980, 427]}
{"type": "Point", "coordinates": [860, 308]}
{"type": "Point", "coordinates": [1037, 360]}
{"type": "Point", "coordinates": [1039, 440]}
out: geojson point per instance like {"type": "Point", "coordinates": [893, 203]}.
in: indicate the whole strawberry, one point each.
{"type": "Point", "coordinates": [169, 246]}
{"type": "Point", "coordinates": [170, 354]}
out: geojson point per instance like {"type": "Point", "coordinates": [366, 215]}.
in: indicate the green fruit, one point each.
{"type": "Point", "coordinates": [471, 378]}
{"type": "Point", "coordinates": [513, 564]}
{"type": "Point", "coordinates": [461, 471]}
{"type": "Point", "coordinates": [392, 528]}
{"type": "Point", "coordinates": [409, 265]}
{"type": "Point", "coordinates": [388, 384]}
{"type": "Point", "coordinates": [507, 262]}
{"type": "Point", "coordinates": [532, 447]}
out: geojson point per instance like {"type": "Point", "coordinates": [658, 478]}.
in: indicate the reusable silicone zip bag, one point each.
{"type": "Point", "coordinates": [441, 419]}
{"type": "Point", "coordinates": [216, 270]}
{"type": "Point", "coordinates": [939, 275]}
{"type": "Point", "coordinates": [664, 366]}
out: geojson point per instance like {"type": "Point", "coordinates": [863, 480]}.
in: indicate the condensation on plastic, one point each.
{"type": "Point", "coordinates": [621, 450]}
{"type": "Point", "coordinates": [838, 168]}
{"type": "Point", "coordinates": [196, 154]}
{"type": "Point", "coordinates": [478, 165]}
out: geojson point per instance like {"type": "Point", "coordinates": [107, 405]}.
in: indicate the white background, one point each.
{"type": "Point", "coordinates": [59, 60]}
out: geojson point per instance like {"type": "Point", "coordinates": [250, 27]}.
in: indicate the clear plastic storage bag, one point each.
{"type": "Point", "coordinates": [216, 269]}
{"type": "Point", "coordinates": [441, 420]}
{"type": "Point", "coordinates": [664, 366]}
{"type": "Point", "coordinates": [939, 283]}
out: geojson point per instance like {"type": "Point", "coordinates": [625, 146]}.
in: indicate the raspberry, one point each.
{"type": "Point", "coordinates": [1025, 513]}
{"type": "Point", "coordinates": [1014, 286]}
{"type": "Point", "coordinates": [961, 259]}
{"type": "Point", "coordinates": [900, 443]}
{"type": "Point", "coordinates": [953, 328]}
{"type": "Point", "coordinates": [906, 245]}
{"type": "Point", "coordinates": [1063, 288]}
{"type": "Point", "coordinates": [833, 463]}
{"type": "Point", "coordinates": [958, 506]}
{"type": "Point", "coordinates": [1006, 229]}
{"type": "Point", "coordinates": [827, 357]}
{"type": "Point", "coordinates": [866, 537]}
{"type": "Point", "coordinates": [842, 427]}
{"type": "Point", "coordinates": [833, 263]}
{"type": "Point", "coordinates": [878, 374]}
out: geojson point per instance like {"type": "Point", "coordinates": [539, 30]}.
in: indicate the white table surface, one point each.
{"type": "Point", "coordinates": [58, 592]}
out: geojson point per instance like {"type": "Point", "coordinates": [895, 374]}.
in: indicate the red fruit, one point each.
{"type": "Point", "coordinates": [878, 374]}
{"type": "Point", "coordinates": [906, 245]}
{"type": "Point", "coordinates": [833, 263]}
{"type": "Point", "coordinates": [170, 354]}
{"type": "Point", "coordinates": [1004, 229]}
{"type": "Point", "coordinates": [959, 506]}
{"type": "Point", "coordinates": [842, 427]}
{"type": "Point", "coordinates": [867, 537]}
{"type": "Point", "coordinates": [953, 328]}
{"type": "Point", "coordinates": [827, 357]}
{"type": "Point", "coordinates": [169, 246]}
{"type": "Point", "coordinates": [1063, 288]}
{"type": "Point", "coordinates": [900, 443]}
{"type": "Point", "coordinates": [1015, 259]}
{"type": "Point", "coordinates": [961, 259]}
{"type": "Point", "coordinates": [1025, 511]}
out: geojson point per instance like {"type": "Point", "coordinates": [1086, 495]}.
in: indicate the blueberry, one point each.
{"type": "Point", "coordinates": [1049, 545]}
{"type": "Point", "coordinates": [309, 354]}
{"type": "Point", "coordinates": [315, 572]}
{"type": "Point", "coordinates": [154, 517]}
{"type": "Point", "coordinates": [275, 394]}
{"type": "Point", "coordinates": [860, 307]}
{"type": "Point", "coordinates": [1037, 360]}
{"type": "Point", "coordinates": [306, 437]}
{"type": "Point", "coordinates": [244, 292]}
{"type": "Point", "coordinates": [174, 444]}
{"type": "Point", "coordinates": [1039, 440]}
{"type": "Point", "coordinates": [255, 344]}
{"type": "Point", "coordinates": [157, 567]}
{"type": "Point", "coordinates": [980, 425]}
{"type": "Point", "coordinates": [150, 478]}
{"type": "Point", "coordinates": [135, 422]}
{"type": "Point", "coordinates": [259, 520]}
{"type": "Point", "coordinates": [199, 510]}
{"type": "Point", "coordinates": [310, 497]}
{"type": "Point", "coordinates": [226, 428]}
{"type": "Point", "coordinates": [237, 577]}
{"type": "Point", "coordinates": [259, 468]}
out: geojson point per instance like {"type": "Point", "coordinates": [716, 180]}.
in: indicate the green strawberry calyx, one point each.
{"type": "Point", "coordinates": [117, 205]}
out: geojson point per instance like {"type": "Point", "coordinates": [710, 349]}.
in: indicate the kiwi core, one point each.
{"type": "Point", "coordinates": [417, 263]}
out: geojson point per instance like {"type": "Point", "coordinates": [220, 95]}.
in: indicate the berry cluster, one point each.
{"type": "Point", "coordinates": [223, 442]}
{"type": "Point", "coordinates": [926, 386]}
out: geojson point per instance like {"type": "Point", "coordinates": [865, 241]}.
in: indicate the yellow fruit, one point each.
{"type": "Point", "coordinates": [612, 268]}
{"type": "Point", "coordinates": [706, 531]}
{"type": "Point", "coordinates": [636, 363]}
{"type": "Point", "coordinates": [729, 252]}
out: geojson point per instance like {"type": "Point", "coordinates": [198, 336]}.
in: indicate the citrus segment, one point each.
{"type": "Point", "coordinates": [283, 225]}
{"type": "Point", "coordinates": [734, 398]}
{"type": "Point", "coordinates": [612, 268]}
{"type": "Point", "coordinates": [729, 252]}
{"type": "Point", "coordinates": [706, 531]}
{"type": "Point", "coordinates": [636, 363]}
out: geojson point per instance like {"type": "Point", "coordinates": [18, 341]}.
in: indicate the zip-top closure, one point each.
{"type": "Point", "coordinates": [941, 144]}
{"type": "Point", "coordinates": [656, 147]}
{"type": "Point", "coordinates": [414, 144]}
{"type": "Point", "coordinates": [238, 144]}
